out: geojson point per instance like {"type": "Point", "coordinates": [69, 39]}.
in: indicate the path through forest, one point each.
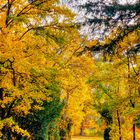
{"type": "Point", "coordinates": [86, 138]}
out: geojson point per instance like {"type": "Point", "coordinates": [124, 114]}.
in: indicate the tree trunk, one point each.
{"type": "Point", "coordinates": [132, 102]}
{"type": "Point", "coordinates": [107, 133]}
{"type": "Point", "coordinates": [134, 125]}
{"type": "Point", "coordinates": [82, 129]}
{"type": "Point", "coordinates": [119, 125]}
{"type": "Point", "coordinates": [134, 132]}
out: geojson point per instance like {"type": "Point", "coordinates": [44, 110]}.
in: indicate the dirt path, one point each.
{"type": "Point", "coordinates": [86, 138]}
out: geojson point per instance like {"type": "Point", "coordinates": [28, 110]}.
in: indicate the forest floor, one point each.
{"type": "Point", "coordinates": [86, 138]}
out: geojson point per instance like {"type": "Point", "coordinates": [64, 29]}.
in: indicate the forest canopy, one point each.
{"type": "Point", "coordinates": [69, 68]}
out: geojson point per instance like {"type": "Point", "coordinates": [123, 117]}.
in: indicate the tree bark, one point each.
{"type": "Point", "coordinates": [119, 125]}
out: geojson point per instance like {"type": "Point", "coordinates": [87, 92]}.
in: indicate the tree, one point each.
{"type": "Point", "coordinates": [31, 38]}
{"type": "Point", "coordinates": [118, 23]}
{"type": "Point", "coordinates": [76, 92]}
{"type": "Point", "coordinates": [115, 84]}
{"type": "Point", "coordinates": [98, 18]}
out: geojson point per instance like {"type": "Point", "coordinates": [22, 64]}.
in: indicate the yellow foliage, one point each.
{"type": "Point", "coordinates": [9, 123]}
{"type": "Point", "coordinates": [30, 47]}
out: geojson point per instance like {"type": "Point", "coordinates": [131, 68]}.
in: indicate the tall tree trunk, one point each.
{"type": "Point", "coordinates": [134, 131]}
{"type": "Point", "coordinates": [132, 103]}
{"type": "Point", "coordinates": [119, 125]}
